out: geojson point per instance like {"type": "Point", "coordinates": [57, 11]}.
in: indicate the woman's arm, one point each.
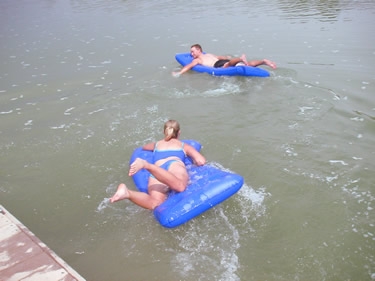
{"type": "Point", "coordinates": [198, 158]}
{"type": "Point", "coordinates": [149, 146]}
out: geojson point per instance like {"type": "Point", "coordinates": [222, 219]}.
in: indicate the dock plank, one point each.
{"type": "Point", "coordinates": [23, 256]}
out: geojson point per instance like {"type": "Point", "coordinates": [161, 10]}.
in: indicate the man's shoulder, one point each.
{"type": "Point", "coordinates": [198, 60]}
{"type": "Point", "coordinates": [209, 55]}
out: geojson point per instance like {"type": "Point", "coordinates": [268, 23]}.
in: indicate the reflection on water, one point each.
{"type": "Point", "coordinates": [325, 11]}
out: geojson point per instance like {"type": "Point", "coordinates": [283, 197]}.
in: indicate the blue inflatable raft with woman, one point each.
{"type": "Point", "coordinates": [208, 186]}
{"type": "Point", "coordinates": [174, 181]}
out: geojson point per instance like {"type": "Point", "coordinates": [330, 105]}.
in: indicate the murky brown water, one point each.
{"type": "Point", "coordinates": [83, 83]}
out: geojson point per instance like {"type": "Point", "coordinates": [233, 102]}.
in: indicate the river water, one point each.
{"type": "Point", "coordinates": [83, 83]}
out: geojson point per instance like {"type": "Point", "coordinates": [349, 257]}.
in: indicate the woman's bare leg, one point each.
{"type": "Point", "coordinates": [160, 174]}
{"type": "Point", "coordinates": [121, 193]}
{"type": "Point", "coordinates": [140, 198]}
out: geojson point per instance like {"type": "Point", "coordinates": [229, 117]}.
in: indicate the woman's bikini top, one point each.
{"type": "Point", "coordinates": [165, 153]}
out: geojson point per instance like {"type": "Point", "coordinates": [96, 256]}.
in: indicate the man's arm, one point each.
{"type": "Point", "coordinates": [187, 67]}
{"type": "Point", "coordinates": [223, 57]}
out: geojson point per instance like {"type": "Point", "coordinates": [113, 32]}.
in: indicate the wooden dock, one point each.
{"type": "Point", "coordinates": [24, 257]}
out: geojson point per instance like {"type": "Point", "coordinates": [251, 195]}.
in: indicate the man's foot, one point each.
{"type": "Point", "coordinates": [270, 63]}
{"type": "Point", "coordinates": [137, 165]}
{"type": "Point", "coordinates": [244, 59]}
{"type": "Point", "coordinates": [121, 193]}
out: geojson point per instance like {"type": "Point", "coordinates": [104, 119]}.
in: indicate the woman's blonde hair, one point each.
{"type": "Point", "coordinates": [171, 130]}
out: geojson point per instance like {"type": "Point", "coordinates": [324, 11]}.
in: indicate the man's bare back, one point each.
{"type": "Point", "coordinates": [207, 59]}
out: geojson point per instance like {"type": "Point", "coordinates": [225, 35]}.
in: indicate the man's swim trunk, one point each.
{"type": "Point", "coordinates": [220, 63]}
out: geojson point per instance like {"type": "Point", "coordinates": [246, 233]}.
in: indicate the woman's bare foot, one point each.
{"type": "Point", "coordinates": [270, 63]}
{"type": "Point", "coordinates": [121, 193]}
{"type": "Point", "coordinates": [137, 165]}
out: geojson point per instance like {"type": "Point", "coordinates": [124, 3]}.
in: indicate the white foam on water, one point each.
{"type": "Point", "coordinates": [252, 202]}
{"type": "Point", "coordinates": [227, 87]}
{"type": "Point", "coordinates": [29, 123]}
{"type": "Point", "coordinates": [209, 245]}
{"type": "Point", "coordinates": [208, 249]}
{"type": "Point", "coordinates": [359, 119]}
{"type": "Point", "coordinates": [304, 108]}
{"type": "Point", "coordinates": [103, 205]}
{"type": "Point", "coordinates": [95, 111]}
{"type": "Point", "coordinates": [338, 162]}
{"type": "Point", "coordinates": [67, 112]}
{"type": "Point", "coordinates": [6, 112]}
{"type": "Point", "coordinates": [58, 127]}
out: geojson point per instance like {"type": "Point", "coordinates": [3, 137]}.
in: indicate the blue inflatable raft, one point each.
{"type": "Point", "coordinates": [241, 70]}
{"type": "Point", "coordinates": [208, 186]}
